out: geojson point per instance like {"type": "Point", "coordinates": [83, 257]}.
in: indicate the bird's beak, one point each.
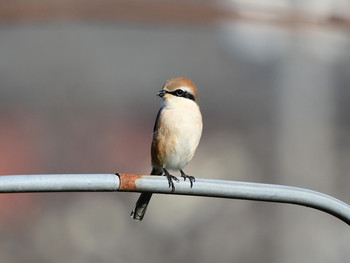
{"type": "Point", "coordinates": [161, 93]}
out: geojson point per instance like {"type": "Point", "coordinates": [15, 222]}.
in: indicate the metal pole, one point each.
{"type": "Point", "coordinates": [159, 184]}
{"type": "Point", "coordinates": [58, 183]}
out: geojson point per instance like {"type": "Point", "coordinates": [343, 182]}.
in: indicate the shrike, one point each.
{"type": "Point", "coordinates": [176, 135]}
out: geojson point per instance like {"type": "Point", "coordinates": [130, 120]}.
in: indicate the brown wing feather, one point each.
{"type": "Point", "coordinates": [163, 142]}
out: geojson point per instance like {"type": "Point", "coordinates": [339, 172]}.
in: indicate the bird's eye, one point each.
{"type": "Point", "coordinates": [179, 92]}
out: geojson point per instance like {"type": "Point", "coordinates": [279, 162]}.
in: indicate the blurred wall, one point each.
{"type": "Point", "coordinates": [77, 95]}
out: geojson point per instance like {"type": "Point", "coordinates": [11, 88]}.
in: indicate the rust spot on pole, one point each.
{"type": "Point", "coordinates": [128, 182]}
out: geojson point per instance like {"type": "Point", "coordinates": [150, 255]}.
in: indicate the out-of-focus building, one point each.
{"type": "Point", "coordinates": [78, 81]}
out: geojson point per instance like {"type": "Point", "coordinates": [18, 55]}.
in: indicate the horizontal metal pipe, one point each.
{"type": "Point", "coordinates": [159, 184]}
{"type": "Point", "coordinates": [58, 183]}
{"type": "Point", "coordinates": [245, 191]}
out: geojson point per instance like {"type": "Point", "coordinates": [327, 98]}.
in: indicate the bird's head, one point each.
{"type": "Point", "coordinates": [179, 89]}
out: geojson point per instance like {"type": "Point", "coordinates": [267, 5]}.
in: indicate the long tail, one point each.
{"type": "Point", "coordinates": [141, 205]}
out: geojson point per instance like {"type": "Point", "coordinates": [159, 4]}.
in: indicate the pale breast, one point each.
{"type": "Point", "coordinates": [180, 133]}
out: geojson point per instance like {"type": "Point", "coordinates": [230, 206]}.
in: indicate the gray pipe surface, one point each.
{"type": "Point", "coordinates": [159, 184]}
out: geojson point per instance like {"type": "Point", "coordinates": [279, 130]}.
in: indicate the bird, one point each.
{"type": "Point", "coordinates": [176, 135]}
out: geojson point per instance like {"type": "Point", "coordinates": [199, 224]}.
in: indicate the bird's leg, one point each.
{"type": "Point", "coordinates": [170, 179]}
{"type": "Point", "coordinates": [191, 178]}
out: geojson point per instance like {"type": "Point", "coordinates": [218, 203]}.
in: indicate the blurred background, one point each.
{"type": "Point", "coordinates": [78, 84]}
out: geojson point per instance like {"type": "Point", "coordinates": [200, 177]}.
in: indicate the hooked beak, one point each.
{"type": "Point", "coordinates": [161, 93]}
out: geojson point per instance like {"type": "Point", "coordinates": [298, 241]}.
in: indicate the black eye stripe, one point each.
{"type": "Point", "coordinates": [184, 94]}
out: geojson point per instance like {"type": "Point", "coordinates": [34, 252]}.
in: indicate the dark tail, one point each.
{"type": "Point", "coordinates": [141, 205]}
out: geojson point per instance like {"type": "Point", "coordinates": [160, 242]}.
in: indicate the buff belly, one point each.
{"type": "Point", "coordinates": [180, 136]}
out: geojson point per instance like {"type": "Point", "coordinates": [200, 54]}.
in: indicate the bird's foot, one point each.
{"type": "Point", "coordinates": [190, 178]}
{"type": "Point", "coordinates": [170, 179]}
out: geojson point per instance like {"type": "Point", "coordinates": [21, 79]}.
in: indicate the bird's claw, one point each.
{"type": "Point", "coordinates": [171, 183]}
{"type": "Point", "coordinates": [171, 178]}
{"type": "Point", "coordinates": [190, 178]}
